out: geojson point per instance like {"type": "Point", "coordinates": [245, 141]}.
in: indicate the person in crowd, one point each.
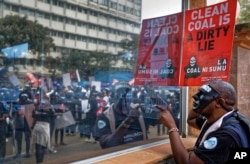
{"type": "Point", "coordinates": [101, 104]}
{"type": "Point", "coordinates": [55, 104]}
{"type": "Point", "coordinates": [61, 131]}
{"type": "Point", "coordinates": [58, 99]}
{"type": "Point", "coordinates": [82, 126]}
{"type": "Point", "coordinates": [26, 96]}
{"type": "Point", "coordinates": [106, 97]}
{"type": "Point", "coordinates": [122, 122]}
{"type": "Point", "coordinates": [213, 111]}
{"type": "Point", "coordinates": [141, 95]}
{"type": "Point", "coordinates": [80, 95]}
{"type": "Point", "coordinates": [174, 107]}
{"type": "Point", "coordinates": [89, 121]}
{"type": "Point", "coordinates": [41, 129]}
{"type": "Point", "coordinates": [59, 111]}
{"type": "Point", "coordinates": [37, 97]}
{"type": "Point", "coordinates": [91, 91]}
{"type": "Point", "coordinates": [54, 100]}
{"type": "Point", "coordinates": [23, 121]}
{"type": "Point", "coordinates": [71, 105]}
{"type": "Point", "coordinates": [3, 116]}
{"type": "Point", "coordinates": [150, 114]}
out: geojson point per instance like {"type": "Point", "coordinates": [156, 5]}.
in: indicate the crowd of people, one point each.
{"type": "Point", "coordinates": [117, 115]}
{"type": "Point", "coordinates": [123, 114]}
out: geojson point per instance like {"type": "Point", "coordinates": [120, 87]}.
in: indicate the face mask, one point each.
{"type": "Point", "coordinates": [204, 97]}
{"type": "Point", "coordinates": [192, 61]}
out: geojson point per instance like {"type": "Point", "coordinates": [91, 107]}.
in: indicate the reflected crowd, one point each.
{"type": "Point", "coordinates": [45, 116]}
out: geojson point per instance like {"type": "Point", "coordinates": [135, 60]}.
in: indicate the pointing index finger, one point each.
{"type": "Point", "coordinates": [160, 108]}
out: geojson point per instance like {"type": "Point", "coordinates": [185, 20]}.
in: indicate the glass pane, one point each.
{"type": "Point", "coordinates": [48, 67]}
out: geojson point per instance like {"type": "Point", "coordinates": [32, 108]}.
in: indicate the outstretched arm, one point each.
{"type": "Point", "coordinates": [180, 154]}
{"type": "Point", "coordinates": [116, 138]}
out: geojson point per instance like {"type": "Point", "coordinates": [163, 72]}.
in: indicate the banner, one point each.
{"type": "Point", "coordinates": [159, 51]}
{"type": "Point", "coordinates": [208, 43]}
{"type": "Point", "coordinates": [18, 51]}
{"type": "Point", "coordinates": [169, 57]}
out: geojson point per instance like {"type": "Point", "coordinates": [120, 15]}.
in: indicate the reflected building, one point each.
{"type": "Point", "coordinates": [89, 25]}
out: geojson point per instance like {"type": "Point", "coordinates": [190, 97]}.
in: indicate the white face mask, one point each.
{"type": "Point", "coordinates": [169, 63]}
{"type": "Point", "coordinates": [192, 61]}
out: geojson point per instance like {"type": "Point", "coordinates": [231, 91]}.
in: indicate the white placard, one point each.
{"type": "Point", "coordinates": [78, 76]}
{"type": "Point", "coordinates": [14, 80]}
{"type": "Point", "coordinates": [84, 104]}
{"type": "Point", "coordinates": [97, 85]}
{"type": "Point", "coordinates": [66, 79]}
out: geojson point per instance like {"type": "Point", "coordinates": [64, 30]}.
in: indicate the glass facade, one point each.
{"type": "Point", "coordinates": [75, 95]}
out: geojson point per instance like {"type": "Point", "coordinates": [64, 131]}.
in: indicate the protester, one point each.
{"type": "Point", "coordinates": [23, 121]}
{"type": "Point", "coordinates": [91, 91]}
{"type": "Point", "coordinates": [3, 116]}
{"type": "Point", "coordinates": [122, 122]}
{"type": "Point", "coordinates": [215, 102]}
{"type": "Point", "coordinates": [26, 96]}
{"type": "Point", "coordinates": [61, 137]}
{"type": "Point", "coordinates": [41, 130]}
{"type": "Point", "coordinates": [150, 114]}
{"type": "Point", "coordinates": [141, 95]}
{"type": "Point", "coordinates": [69, 102]}
{"type": "Point", "coordinates": [174, 107]}
{"type": "Point", "coordinates": [106, 97]}
{"type": "Point", "coordinates": [59, 113]}
{"type": "Point", "coordinates": [90, 120]}
{"type": "Point", "coordinates": [20, 128]}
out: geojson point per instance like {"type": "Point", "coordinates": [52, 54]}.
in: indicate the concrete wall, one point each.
{"type": "Point", "coordinates": [240, 78]}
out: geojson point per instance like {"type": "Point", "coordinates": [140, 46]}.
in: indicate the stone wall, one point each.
{"type": "Point", "coordinates": [240, 78]}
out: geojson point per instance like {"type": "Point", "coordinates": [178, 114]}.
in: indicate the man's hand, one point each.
{"type": "Point", "coordinates": [166, 117]}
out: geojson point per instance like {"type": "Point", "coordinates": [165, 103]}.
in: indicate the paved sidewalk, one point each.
{"type": "Point", "coordinates": [75, 146]}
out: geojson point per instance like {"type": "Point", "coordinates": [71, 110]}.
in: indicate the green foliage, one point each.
{"type": "Point", "coordinates": [244, 12]}
{"type": "Point", "coordinates": [131, 46]}
{"type": "Point", "coordinates": [16, 30]}
{"type": "Point", "coordinates": [87, 63]}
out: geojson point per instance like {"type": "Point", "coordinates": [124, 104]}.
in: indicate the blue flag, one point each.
{"type": "Point", "coordinates": [18, 51]}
